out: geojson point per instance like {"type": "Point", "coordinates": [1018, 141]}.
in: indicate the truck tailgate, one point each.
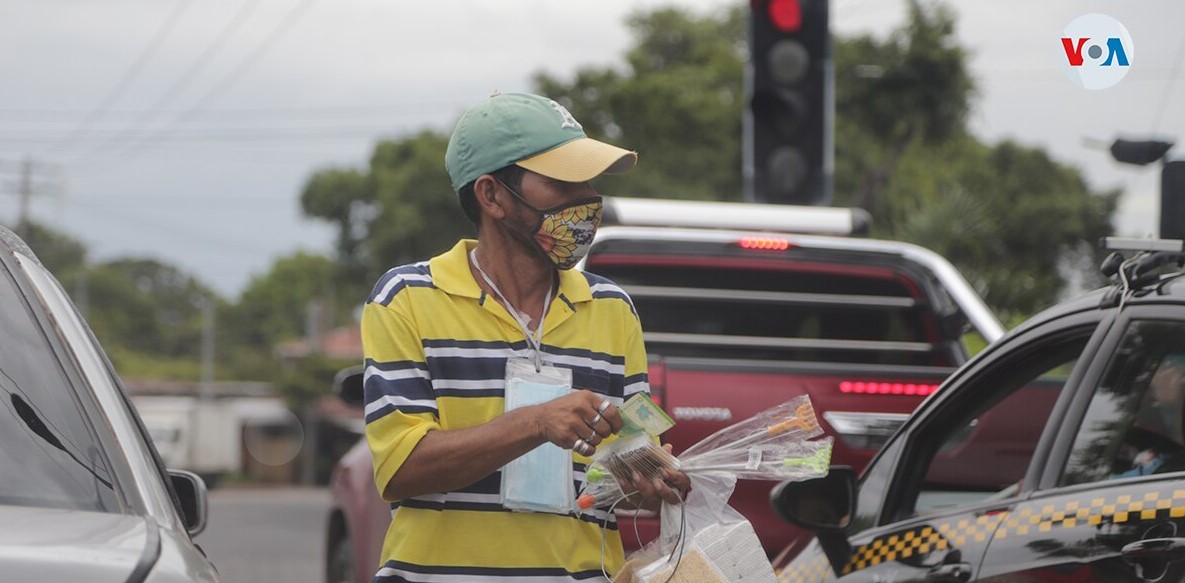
{"type": "Point", "coordinates": [860, 408]}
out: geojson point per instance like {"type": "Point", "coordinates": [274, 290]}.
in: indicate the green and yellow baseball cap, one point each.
{"type": "Point", "coordinates": [533, 132]}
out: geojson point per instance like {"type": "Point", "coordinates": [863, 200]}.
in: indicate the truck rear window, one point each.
{"type": "Point", "coordinates": [802, 311]}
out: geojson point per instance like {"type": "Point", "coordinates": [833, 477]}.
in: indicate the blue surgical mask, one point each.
{"type": "Point", "coordinates": [540, 480]}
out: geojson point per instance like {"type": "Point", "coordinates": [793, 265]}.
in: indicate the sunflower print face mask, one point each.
{"type": "Point", "coordinates": [565, 232]}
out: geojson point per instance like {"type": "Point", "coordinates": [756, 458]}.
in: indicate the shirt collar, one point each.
{"type": "Point", "coordinates": [451, 274]}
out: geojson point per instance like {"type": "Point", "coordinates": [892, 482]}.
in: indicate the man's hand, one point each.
{"type": "Point", "coordinates": [671, 488]}
{"type": "Point", "coordinates": [579, 421]}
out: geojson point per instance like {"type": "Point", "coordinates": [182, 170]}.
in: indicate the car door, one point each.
{"type": "Point", "coordinates": [929, 504]}
{"type": "Point", "coordinates": [1111, 506]}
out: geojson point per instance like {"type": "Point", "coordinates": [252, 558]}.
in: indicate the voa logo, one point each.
{"type": "Point", "coordinates": [1097, 51]}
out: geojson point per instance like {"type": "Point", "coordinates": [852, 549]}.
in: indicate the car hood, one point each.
{"type": "Point", "coordinates": [45, 544]}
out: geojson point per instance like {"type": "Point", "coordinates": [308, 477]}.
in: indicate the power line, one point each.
{"type": "Point", "coordinates": [117, 91]}
{"type": "Point", "coordinates": [298, 113]}
{"type": "Point", "coordinates": [251, 134]}
{"type": "Point", "coordinates": [183, 81]}
{"type": "Point", "coordinates": [173, 229]}
{"type": "Point", "coordinates": [1168, 90]}
{"type": "Point", "coordinates": [231, 78]}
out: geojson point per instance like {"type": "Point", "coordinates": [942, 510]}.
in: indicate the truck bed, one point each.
{"type": "Point", "coordinates": [736, 323]}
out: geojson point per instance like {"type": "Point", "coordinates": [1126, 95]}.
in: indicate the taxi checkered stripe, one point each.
{"type": "Point", "coordinates": [1153, 505]}
{"type": "Point", "coordinates": [1028, 520]}
{"type": "Point", "coordinates": [811, 570]}
{"type": "Point", "coordinates": [923, 540]}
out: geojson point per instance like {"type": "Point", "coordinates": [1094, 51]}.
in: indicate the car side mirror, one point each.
{"type": "Point", "coordinates": [191, 491]}
{"type": "Point", "coordinates": [347, 383]}
{"type": "Point", "coordinates": [820, 504]}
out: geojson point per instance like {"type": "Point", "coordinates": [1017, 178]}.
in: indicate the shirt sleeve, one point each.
{"type": "Point", "coordinates": [400, 403]}
{"type": "Point", "coordinates": [636, 378]}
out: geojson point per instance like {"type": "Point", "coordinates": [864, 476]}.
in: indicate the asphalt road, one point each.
{"type": "Point", "coordinates": [267, 534]}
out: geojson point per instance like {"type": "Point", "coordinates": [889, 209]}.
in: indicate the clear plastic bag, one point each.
{"type": "Point", "coordinates": [791, 422]}
{"type": "Point", "coordinates": [772, 445]}
{"type": "Point", "coordinates": [704, 540]}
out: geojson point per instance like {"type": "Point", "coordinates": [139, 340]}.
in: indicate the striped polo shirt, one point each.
{"type": "Point", "coordinates": [436, 348]}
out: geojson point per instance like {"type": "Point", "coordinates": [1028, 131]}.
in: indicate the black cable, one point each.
{"type": "Point", "coordinates": [133, 71]}
{"type": "Point", "coordinates": [294, 16]}
{"type": "Point", "coordinates": [183, 81]}
{"type": "Point", "coordinates": [605, 530]}
{"type": "Point", "coordinates": [681, 544]}
{"type": "Point", "coordinates": [1164, 100]}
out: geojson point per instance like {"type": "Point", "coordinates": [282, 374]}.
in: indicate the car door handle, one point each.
{"type": "Point", "coordinates": [1154, 548]}
{"type": "Point", "coordinates": [953, 572]}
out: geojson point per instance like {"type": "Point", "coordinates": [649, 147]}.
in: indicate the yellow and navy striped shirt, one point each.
{"type": "Point", "coordinates": [436, 348]}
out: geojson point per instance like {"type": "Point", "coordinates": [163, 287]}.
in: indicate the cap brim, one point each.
{"type": "Point", "coordinates": [580, 160]}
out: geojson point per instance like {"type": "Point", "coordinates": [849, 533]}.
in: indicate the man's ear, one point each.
{"type": "Point", "coordinates": [485, 193]}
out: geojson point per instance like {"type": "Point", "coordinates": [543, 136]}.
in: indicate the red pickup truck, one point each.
{"type": "Point", "coordinates": [743, 307]}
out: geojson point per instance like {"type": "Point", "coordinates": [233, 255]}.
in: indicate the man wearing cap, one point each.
{"type": "Point", "coordinates": [494, 370]}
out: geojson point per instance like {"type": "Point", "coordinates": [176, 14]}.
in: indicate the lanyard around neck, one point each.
{"type": "Point", "coordinates": [534, 341]}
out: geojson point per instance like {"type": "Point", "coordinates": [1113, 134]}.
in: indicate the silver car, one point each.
{"type": "Point", "coordinates": [83, 494]}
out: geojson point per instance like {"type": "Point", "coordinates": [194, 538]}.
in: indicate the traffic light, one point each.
{"type": "Point", "coordinates": [787, 141]}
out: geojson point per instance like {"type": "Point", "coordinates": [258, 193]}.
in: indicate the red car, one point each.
{"type": "Point", "coordinates": [359, 518]}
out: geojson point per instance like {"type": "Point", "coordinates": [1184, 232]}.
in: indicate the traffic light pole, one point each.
{"type": "Point", "coordinates": [1172, 180]}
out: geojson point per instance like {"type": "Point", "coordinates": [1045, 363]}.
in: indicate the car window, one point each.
{"type": "Point", "coordinates": [50, 455]}
{"type": "Point", "coordinates": [1133, 425]}
{"type": "Point", "coordinates": [979, 444]}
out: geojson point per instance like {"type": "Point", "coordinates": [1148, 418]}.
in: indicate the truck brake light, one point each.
{"type": "Point", "coordinates": [877, 388]}
{"type": "Point", "coordinates": [658, 382]}
{"type": "Point", "coordinates": [764, 243]}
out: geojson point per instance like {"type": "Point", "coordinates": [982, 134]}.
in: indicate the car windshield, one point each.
{"type": "Point", "coordinates": [50, 457]}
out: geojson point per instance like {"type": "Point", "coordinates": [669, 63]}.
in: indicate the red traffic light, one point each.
{"type": "Point", "coordinates": [786, 15]}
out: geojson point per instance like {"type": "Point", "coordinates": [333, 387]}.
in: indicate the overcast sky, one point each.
{"type": "Point", "coordinates": [183, 130]}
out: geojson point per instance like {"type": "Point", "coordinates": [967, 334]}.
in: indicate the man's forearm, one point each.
{"type": "Point", "coordinates": [447, 460]}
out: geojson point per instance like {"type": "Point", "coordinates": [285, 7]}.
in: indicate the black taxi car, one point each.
{"type": "Point", "coordinates": [1057, 454]}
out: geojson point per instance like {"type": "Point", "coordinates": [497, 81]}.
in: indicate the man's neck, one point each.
{"type": "Point", "coordinates": [523, 280]}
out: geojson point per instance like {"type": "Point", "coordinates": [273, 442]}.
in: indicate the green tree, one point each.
{"type": "Point", "coordinates": [276, 306]}
{"type": "Point", "coordinates": [145, 307]}
{"type": "Point", "coordinates": [59, 253]}
{"type": "Point", "coordinates": [678, 103]}
{"type": "Point", "coordinates": [343, 197]}
{"type": "Point", "coordinates": [401, 209]}
{"type": "Point", "coordinates": [418, 215]}
{"type": "Point", "coordinates": [1020, 225]}
{"type": "Point", "coordinates": [913, 87]}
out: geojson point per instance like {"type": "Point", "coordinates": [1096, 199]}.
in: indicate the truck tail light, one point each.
{"type": "Point", "coordinates": [658, 382]}
{"type": "Point", "coordinates": [886, 388]}
{"type": "Point", "coordinates": [764, 243]}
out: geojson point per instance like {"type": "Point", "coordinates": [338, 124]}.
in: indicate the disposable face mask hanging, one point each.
{"type": "Point", "coordinates": [542, 479]}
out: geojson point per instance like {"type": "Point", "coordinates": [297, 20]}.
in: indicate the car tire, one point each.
{"type": "Point", "coordinates": [340, 566]}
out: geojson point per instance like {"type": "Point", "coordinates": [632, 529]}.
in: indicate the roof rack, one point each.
{"type": "Point", "coordinates": [1149, 245]}
{"type": "Point", "coordinates": [1142, 269]}
{"type": "Point", "coordinates": [781, 218]}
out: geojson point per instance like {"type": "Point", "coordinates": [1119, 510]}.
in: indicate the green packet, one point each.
{"type": "Point", "coordinates": [643, 414]}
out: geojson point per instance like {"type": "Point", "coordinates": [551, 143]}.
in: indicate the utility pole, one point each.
{"type": "Point", "coordinates": [207, 385]}
{"type": "Point", "coordinates": [26, 186]}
